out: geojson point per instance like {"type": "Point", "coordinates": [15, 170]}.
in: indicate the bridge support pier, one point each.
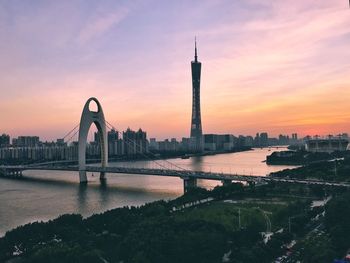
{"type": "Point", "coordinates": [226, 182]}
{"type": "Point", "coordinates": [189, 183]}
{"type": "Point", "coordinates": [102, 176]}
{"type": "Point", "coordinates": [82, 177]}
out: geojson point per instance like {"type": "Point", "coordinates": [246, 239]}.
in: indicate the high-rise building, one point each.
{"type": "Point", "coordinates": [26, 141]}
{"type": "Point", "coordinates": [284, 139]}
{"type": "Point", "coordinates": [219, 142]}
{"type": "Point", "coordinates": [96, 138]}
{"type": "Point", "coordinates": [112, 138]}
{"type": "Point", "coordinates": [135, 142]}
{"type": "Point", "coordinates": [196, 123]}
{"type": "Point", "coordinates": [153, 144]}
{"type": "Point", "coordinates": [142, 143]}
{"type": "Point", "coordinates": [257, 140]}
{"type": "Point", "coordinates": [264, 139]}
{"type": "Point", "coordinates": [4, 140]}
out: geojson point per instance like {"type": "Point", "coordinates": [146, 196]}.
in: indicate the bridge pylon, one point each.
{"type": "Point", "coordinates": [87, 118]}
{"type": "Point", "coordinates": [189, 183]}
{"type": "Point", "coordinates": [226, 182]}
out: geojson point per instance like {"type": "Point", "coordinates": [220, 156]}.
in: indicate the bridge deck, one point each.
{"type": "Point", "coordinates": [184, 174]}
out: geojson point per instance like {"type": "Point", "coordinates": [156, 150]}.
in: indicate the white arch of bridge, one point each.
{"type": "Point", "coordinates": [87, 118]}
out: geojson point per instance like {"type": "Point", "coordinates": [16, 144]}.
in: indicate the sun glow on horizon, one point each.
{"type": "Point", "coordinates": [279, 67]}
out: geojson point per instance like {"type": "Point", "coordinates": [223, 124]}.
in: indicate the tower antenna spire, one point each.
{"type": "Point", "coordinates": [195, 49]}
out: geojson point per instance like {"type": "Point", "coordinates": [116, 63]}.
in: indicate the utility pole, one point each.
{"type": "Point", "coordinates": [289, 225]}
{"type": "Point", "coordinates": [325, 198]}
{"type": "Point", "coordinates": [239, 218]}
{"type": "Point", "coordinates": [268, 223]}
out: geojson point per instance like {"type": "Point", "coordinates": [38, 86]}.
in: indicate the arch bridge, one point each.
{"type": "Point", "coordinates": [89, 117]}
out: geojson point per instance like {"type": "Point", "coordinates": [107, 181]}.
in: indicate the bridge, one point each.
{"type": "Point", "coordinates": [189, 177]}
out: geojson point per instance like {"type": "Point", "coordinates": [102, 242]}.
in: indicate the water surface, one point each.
{"type": "Point", "coordinates": [44, 195]}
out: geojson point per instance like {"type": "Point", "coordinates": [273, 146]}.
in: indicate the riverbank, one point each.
{"type": "Point", "coordinates": [155, 155]}
{"type": "Point", "coordinates": [227, 227]}
{"type": "Point", "coordinates": [336, 170]}
{"type": "Point", "coordinates": [302, 157]}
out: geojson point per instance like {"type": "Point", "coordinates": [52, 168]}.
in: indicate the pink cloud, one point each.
{"type": "Point", "coordinates": [101, 24]}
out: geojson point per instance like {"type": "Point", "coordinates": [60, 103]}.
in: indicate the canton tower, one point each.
{"type": "Point", "coordinates": [196, 124]}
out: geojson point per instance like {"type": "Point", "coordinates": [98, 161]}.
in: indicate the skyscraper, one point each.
{"type": "Point", "coordinates": [196, 124]}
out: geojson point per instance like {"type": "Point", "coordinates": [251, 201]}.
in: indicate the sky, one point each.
{"type": "Point", "coordinates": [267, 66]}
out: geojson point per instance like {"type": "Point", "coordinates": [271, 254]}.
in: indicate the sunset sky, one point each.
{"type": "Point", "coordinates": [267, 65]}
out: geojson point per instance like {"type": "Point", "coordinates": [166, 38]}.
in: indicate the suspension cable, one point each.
{"type": "Point", "coordinates": [132, 142]}
{"type": "Point", "coordinates": [69, 140]}
{"type": "Point", "coordinates": [129, 142]}
{"type": "Point", "coordinates": [70, 131]}
{"type": "Point", "coordinates": [153, 154]}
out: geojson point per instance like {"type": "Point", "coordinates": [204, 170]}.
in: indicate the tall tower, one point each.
{"type": "Point", "coordinates": [196, 124]}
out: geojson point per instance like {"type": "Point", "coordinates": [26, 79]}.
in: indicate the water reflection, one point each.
{"type": "Point", "coordinates": [43, 195]}
{"type": "Point", "coordinates": [197, 163]}
{"type": "Point", "coordinates": [81, 200]}
{"type": "Point", "coordinates": [104, 197]}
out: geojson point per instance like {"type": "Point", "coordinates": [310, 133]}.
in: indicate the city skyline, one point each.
{"type": "Point", "coordinates": [274, 67]}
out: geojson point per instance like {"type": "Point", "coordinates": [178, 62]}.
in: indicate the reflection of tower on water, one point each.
{"type": "Point", "coordinates": [197, 163]}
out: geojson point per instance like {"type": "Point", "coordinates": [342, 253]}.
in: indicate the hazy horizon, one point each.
{"type": "Point", "coordinates": [277, 67]}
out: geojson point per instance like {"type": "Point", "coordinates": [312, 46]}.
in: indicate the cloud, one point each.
{"type": "Point", "coordinates": [100, 25]}
{"type": "Point", "coordinates": [279, 66]}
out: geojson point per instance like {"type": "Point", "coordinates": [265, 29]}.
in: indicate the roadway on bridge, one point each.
{"type": "Point", "coordinates": [184, 174]}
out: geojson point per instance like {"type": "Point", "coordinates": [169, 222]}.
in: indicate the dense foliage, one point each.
{"type": "Point", "coordinates": [302, 157]}
{"type": "Point", "coordinates": [206, 232]}
{"type": "Point", "coordinates": [338, 170]}
{"type": "Point", "coordinates": [330, 239]}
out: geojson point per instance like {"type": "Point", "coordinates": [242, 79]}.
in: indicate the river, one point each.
{"type": "Point", "coordinates": [44, 195]}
